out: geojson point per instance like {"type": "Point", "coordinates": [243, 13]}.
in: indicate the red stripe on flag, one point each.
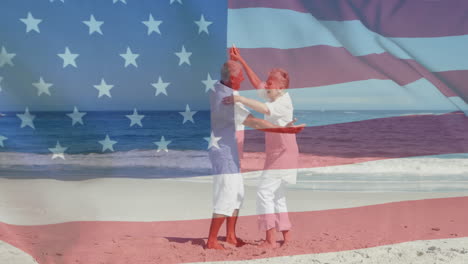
{"type": "Point", "coordinates": [182, 241]}
{"type": "Point", "coordinates": [456, 81]}
{"type": "Point", "coordinates": [326, 65]}
{"type": "Point", "coordinates": [375, 139]}
{"type": "Point", "coordinates": [393, 18]}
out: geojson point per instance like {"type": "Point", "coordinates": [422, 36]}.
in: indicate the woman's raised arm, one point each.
{"type": "Point", "coordinates": [254, 80]}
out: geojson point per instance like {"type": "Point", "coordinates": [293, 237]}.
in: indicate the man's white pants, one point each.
{"type": "Point", "coordinates": [228, 193]}
{"type": "Point", "coordinates": [271, 204]}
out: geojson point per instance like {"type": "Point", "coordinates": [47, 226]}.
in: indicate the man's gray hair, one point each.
{"type": "Point", "coordinates": [229, 66]}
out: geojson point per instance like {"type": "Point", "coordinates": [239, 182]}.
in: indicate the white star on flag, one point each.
{"type": "Point", "coordinates": [162, 144]}
{"type": "Point", "coordinates": [42, 87]}
{"type": "Point", "coordinates": [135, 118]}
{"type": "Point", "coordinates": [5, 57]}
{"type": "Point", "coordinates": [26, 119]}
{"type": "Point", "coordinates": [94, 25]}
{"type": "Point", "coordinates": [160, 86]}
{"type": "Point", "coordinates": [188, 115]}
{"type": "Point", "coordinates": [104, 89]}
{"type": "Point", "coordinates": [178, 1]}
{"type": "Point", "coordinates": [31, 23]}
{"type": "Point", "coordinates": [2, 138]}
{"type": "Point", "coordinates": [130, 58]}
{"type": "Point", "coordinates": [203, 25]}
{"type": "Point", "coordinates": [68, 58]}
{"type": "Point", "coordinates": [107, 143]}
{"type": "Point", "coordinates": [76, 116]}
{"type": "Point", "coordinates": [209, 83]}
{"type": "Point", "coordinates": [58, 151]}
{"type": "Point", "coordinates": [212, 141]}
{"type": "Point", "coordinates": [123, 1]}
{"type": "Point", "coordinates": [63, 1]}
{"type": "Point", "coordinates": [153, 25]}
{"type": "Point", "coordinates": [183, 56]}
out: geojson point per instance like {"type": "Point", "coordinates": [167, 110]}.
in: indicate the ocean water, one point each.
{"type": "Point", "coordinates": [51, 127]}
{"type": "Point", "coordinates": [26, 151]}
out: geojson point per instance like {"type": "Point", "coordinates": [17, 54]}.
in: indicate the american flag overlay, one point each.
{"type": "Point", "coordinates": [109, 141]}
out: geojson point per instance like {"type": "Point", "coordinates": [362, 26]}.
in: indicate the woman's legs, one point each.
{"type": "Point", "coordinates": [272, 210]}
{"type": "Point", "coordinates": [283, 223]}
{"type": "Point", "coordinates": [266, 210]}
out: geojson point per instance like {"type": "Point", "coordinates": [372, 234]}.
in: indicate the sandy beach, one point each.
{"type": "Point", "coordinates": [453, 251]}
{"type": "Point", "coordinates": [127, 221]}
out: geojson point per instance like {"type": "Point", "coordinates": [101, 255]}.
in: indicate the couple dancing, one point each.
{"type": "Point", "coordinates": [228, 115]}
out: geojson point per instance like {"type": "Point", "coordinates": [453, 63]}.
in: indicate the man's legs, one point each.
{"type": "Point", "coordinates": [231, 236]}
{"type": "Point", "coordinates": [228, 194]}
{"type": "Point", "coordinates": [216, 223]}
{"type": "Point", "coordinates": [237, 182]}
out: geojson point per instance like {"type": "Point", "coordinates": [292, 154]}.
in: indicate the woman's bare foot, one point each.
{"type": "Point", "coordinates": [267, 244]}
{"type": "Point", "coordinates": [286, 236]}
{"type": "Point", "coordinates": [270, 241]}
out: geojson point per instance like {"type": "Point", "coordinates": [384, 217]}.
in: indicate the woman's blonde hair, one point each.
{"type": "Point", "coordinates": [283, 76]}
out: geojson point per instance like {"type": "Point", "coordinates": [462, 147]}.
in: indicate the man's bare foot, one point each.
{"type": "Point", "coordinates": [266, 244]}
{"type": "Point", "coordinates": [236, 241]}
{"type": "Point", "coordinates": [214, 245]}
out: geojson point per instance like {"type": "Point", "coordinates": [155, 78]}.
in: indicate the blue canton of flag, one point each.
{"type": "Point", "coordinates": [80, 78]}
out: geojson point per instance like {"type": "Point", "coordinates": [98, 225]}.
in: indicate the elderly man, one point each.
{"type": "Point", "coordinates": [228, 186]}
